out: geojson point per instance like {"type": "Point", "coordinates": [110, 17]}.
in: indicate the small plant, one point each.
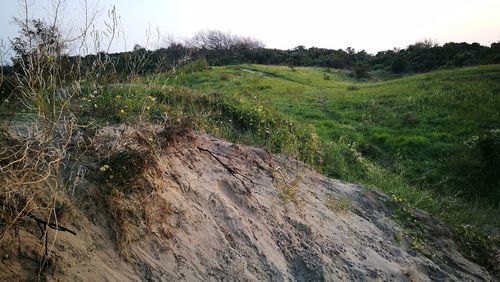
{"type": "Point", "coordinates": [338, 204]}
{"type": "Point", "coordinates": [410, 119]}
{"type": "Point", "coordinates": [122, 168]}
{"type": "Point", "coordinates": [476, 246]}
{"type": "Point", "coordinates": [477, 165]}
{"type": "Point", "coordinates": [326, 76]}
{"type": "Point", "coordinates": [413, 227]}
{"type": "Point", "coordinates": [288, 187]}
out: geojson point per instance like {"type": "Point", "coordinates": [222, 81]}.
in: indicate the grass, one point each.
{"type": "Point", "coordinates": [339, 205]}
{"type": "Point", "coordinates": [288, 187]}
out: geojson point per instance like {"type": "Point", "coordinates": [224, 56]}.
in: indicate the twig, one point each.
{"type": "Point", "coordinates": [51, 225]}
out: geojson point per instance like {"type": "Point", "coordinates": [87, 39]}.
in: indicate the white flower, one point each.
{"type": "Point", "coordinates": [104, 168]}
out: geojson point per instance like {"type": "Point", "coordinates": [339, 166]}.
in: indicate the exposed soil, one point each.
{"type": "Point", "coordinates": [191, 207]}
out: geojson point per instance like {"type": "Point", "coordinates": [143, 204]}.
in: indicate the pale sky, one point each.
{"type": "Point", "coordinates": [363, 24]}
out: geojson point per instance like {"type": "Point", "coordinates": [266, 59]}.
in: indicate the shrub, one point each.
{"type": "Point", "coordinates": [475, 168]}
{"type": "Point", "coordinates": [399, 65]}
{"type": "Point", "coordinates": [197, 65]}
{"type": "Point", "coordinates": [361, 71]}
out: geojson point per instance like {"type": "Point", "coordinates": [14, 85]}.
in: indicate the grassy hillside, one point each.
{"type": "Point", "coordinates": [421, 126]}
{"type": "Point", "coordinates": [431, 139]}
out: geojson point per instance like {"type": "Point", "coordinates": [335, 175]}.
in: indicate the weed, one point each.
{"type": "Point", "coordinates": [398, 238]}
{"type": "Point", "coordinates": [288, 187]}
{"type": "Point", "coordinates": [121, 169]}
{"type": "Point", "coordinates": [48, 89]}
{"type": "Point", "coordinates": [477, 247]}
{"type": "Point", "coordinates": [413, 227]}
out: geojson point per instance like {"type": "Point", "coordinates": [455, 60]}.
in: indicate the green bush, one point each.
{"type": "Point", "coordinates": [476, 167]}
{"type": "Point", "coordinates": [361, 71]}
{"type": "Point", "coordinates": [197, 65]}
{"type": "Point", "coordinates": [399, 65]}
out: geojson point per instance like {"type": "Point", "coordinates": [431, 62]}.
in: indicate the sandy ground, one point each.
{"type": "Point", "coordinates": [204, 209]}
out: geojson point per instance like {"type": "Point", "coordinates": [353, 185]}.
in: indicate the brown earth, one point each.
{"type": "Point", "coordinates": [191, 207]}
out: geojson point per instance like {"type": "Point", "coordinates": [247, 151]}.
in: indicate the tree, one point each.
{"type": "Point", "coordinates": [217, 40]}
{"type": "Point", "coordinates": [399, 64]}
{"type": "Point", "coordinates": [138, 48]}
{"type": "Point", "coordinates": [361, 71]}
{"type": "Point", "coordinates": [425, 43]}
{"type": "Point", "coordinates": [37, 42]}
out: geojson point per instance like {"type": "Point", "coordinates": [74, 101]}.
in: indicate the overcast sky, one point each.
{"type": "Point", "coordinates": [372, 25]}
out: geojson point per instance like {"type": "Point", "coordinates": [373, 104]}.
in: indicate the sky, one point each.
{"type": "Point", "coordinates": [372, 25]}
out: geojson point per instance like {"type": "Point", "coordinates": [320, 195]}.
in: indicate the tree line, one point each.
{"type": "Point", "coordinates": [220, 48]}
{"type": "Point", "coordinates": [224, 49]}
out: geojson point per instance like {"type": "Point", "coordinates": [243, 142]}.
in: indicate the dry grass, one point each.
{"type": "Point", "coordinates": [35, 149]}
{"type": "Point", "coordinates": [288, 187]}
{"type": "Point", "coordinates": [32, 188]}
{"type": "Point", "coordinates": [338, 204]}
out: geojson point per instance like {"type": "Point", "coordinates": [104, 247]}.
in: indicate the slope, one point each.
{"type": "Point", "coordinates": [438, 131]}
{"type": "Point", "coordinates": [164, 205]}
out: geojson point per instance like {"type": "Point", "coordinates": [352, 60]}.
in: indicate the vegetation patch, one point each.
{"type": "Point", "coordinates": [478, 247]}
{"type": "Point", "coordinates": [288, 187]}
{"type": "Point", "coordinates": [338, 204]}
{"type": "Point", "coordinates": [405, 215]}
{"type": "Point", "coordinates": [122, 170]}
